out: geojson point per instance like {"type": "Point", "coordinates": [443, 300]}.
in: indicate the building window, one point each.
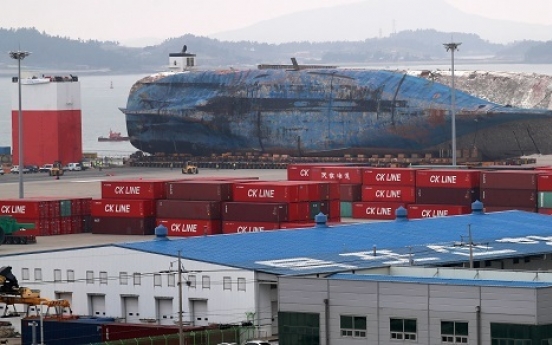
{"type": "Point", "coordinates": [227, 283]}
{"type": "Point", "coordinates": [171, 279]}
{"type": "Point", "coordinates": [157, 279]}
{"type": "Point", "coordinates": [70, 275]}
{"type": "Point", "coordinates": [353, 326]}
{"type": "Point", "coordinates": [38, 273]}
{"type": "Point", "coordinates": [241, 284]}
{"type": "Point", "coordinates": [89, 277]}
{"type": "Point", "coordinates": [191, 281]}
{"type": "Point", "coordinates": [454, 332]}
{"type": "Point", "coordinates": [206, 282]}
{"type": "Point", "coordinates": [57, 275]}
{"type": "Point", "coordinates": [137, 278]}
{"type": "Point", "coordinates": [25, 274]}
{"type": "Point", "coordinates": [403, 329]}
{"type": "Point", "coordinates": [123, 278]}
{"type": "Point", "coordinates": [103, 278]}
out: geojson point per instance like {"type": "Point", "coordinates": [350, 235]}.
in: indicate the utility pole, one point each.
{"type": "Point", "coordinates": [180, 327]}
{"type": "Point", "coordinates": [471, 245]}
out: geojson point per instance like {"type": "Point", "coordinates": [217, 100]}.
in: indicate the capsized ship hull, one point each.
{"type": "Point", "coordinates": [322, 113]}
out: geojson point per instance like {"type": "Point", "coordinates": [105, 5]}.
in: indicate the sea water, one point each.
{"type": "Point", "coordinates": [103, 95]}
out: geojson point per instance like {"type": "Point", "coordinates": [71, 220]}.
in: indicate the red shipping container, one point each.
{"type": "Point", "coordinates": [544, 182]}
{"type": "Point", "coordinates": [191, 227]}
{"type": "Point", "coordinates": [299, 172]}
{"type": "Point", "coordinates": [416, 211]}
{"type": "Point", "coordinates": [114, 331]}
{"type": "Point", "coordinates": [134, 189]}
{"type": "Point", "coordinates": [375, 210]}
{"type": "Point", "coordinates": [299, 211]}
{"type": "Point", "coordinates": [547, 211]}
{"type": "Point", "coordinates": [122, 208]}
{"type": "Point", "coordinates": [123, 226]}
{"type": "Point", "coordinates": [335, 211]}
{"type": "Point", "coordinates": [25, 208]}
{"type": "Point", "coordinates": [266, 192]}
{"type": "Point", "coordinates": [199, 190]}
{"type": "Point", "coordinates": [350, 191]}
{"type": "Point", "coordinates": [389, 193]}
{"type": "Point", "coordinates": [389, 176]}
{"type": "Point", "coordinates": [232, 227]}
{"type": "Point", "coordinates": [255, 212]}
{"type": "Point", "coordinates": [448, 178]}
{"type": "Point", "coordinates": [341, 174]}
{"type": "Point", "coordinates": [509, 198]}
{"type": "Point", "coordinates": [447, 196]}
{"type": "Point", "coordinates": [509, 179]}
{"type": "Point", "coordinates": [317, 190]}
{"type": "Point", "coordinates": [184, 209]}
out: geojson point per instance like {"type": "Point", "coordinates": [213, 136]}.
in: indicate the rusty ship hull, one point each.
{"type": "Point", "coordinates": [322, 113]}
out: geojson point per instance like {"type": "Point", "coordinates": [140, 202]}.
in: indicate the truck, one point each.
{"type": "Point", "coordinates": [13, 232]}
{"type": "Point", "coordinates": [54, 169]}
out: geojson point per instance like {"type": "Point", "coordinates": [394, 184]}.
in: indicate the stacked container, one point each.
{"type": "Point", "coordinates": [444, 192]}
{"type": "Point", "coordinates": [127, 207]}
{"type": "Point", "coordinates": [509, 189]}
{"type": "Point", "coordinates": [50, 215]}
{"type": "Point", "coordinates": [544, 188]}
{"type": "Point", "coordinates": [384, 190]}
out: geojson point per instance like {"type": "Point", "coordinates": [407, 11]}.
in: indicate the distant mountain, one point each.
{"type": "Point", "coordinates": [380, 18]}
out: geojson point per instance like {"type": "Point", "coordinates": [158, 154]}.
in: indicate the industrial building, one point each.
{"type": "Point", "coordinates": [478, 278]}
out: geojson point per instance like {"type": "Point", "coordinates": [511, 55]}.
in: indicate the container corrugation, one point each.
{"type": "Point", "coordinates": [513, 179]}
{"type": "Point", "coordinates": [448, 178]}
{"type": "Point", "coordinates": [335, 211]}
{"type": "Point", "coordinates": [375, 210]}
{"type": "Point", "coordinates": [318, 190]}
{"type": "Point", "coordinates": [350, 192]}
{"type": "Point", "coordinates": [416, 211]}
{"type": "Point", "coordinates": [120, 331]}
{"type": "Point", "coordinates": [63, 332]}
{"type": "Point", "coordinates": [232, 227]}
{"type": "Point", "coordinates": [341, 174]}
{"type": "Point", "coordinates": [255, 212]}
{"type": "Point", "coordinates": [389, 177]}
{"type": "Point", "coordinates": [525, 198]}
{"type": "Point", "coordinates": [447, 196]}
{"type": "Point", "coordinates": [122, 208]}
{"type": "Point", "coordinates": [346, 209]}
{"type": "Point", "coordinates": [184, 209]}
{"type": "Point", "coordinates": [509, 208]}
{"type": "Point", "coordinates": [200, 190]}
{"type": "Point", "coordinates": [134, 189]}
{"type": "Point", "coordinates": [190, 227]}
{"type": "Point", "coordinates": [404, 194]}
{"type": "Point", "coordinates": [545, 200]}
{"type": "Point", "coordinates": [267, 192]}
{"type": "Point", "coordinates": [123, 226]}
{"type": "Point", "coordinates": [544, 181]}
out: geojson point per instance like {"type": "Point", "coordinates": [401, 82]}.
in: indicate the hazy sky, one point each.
{"type": "Point", "coordinates": [128, 20]}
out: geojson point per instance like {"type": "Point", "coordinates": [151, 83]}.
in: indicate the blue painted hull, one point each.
{"type": "Point", "coordinates": [321, 113]}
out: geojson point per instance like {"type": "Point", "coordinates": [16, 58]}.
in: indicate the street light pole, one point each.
{"type": "Point", "coordinates": [452, 47]}
{"type": "Point", "coordinates": [20, 55]}
{"type": "Point", "coordinates": [180, 327]}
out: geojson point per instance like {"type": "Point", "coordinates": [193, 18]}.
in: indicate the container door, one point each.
{"type": "Point", "coordinates": [97, 305]}
{"type": "Point", "coordinates": [199, 313]}
{"type": "Point", "coordinates": [131, 311]}
{"type": "Point", "coordinates": [164, 311]}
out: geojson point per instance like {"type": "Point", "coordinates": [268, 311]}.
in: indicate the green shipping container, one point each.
{"type": "Point", "coordinates": [545, 200]}
{"type": "Point", "coordinates": [65, 208]}
{"type": "Point", "coordinates": [346, 209]}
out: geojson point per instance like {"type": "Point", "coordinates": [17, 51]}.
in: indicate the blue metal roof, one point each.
{"type": "Point", "coordinates": [435, 241]}
{"type": "Point", "coordinates": [441, 281]}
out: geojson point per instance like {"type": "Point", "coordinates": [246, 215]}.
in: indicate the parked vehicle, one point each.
{"type": "Point", "coordinates": [15, 170]}
{"type": "Point", "coordinates": [73, 167]}
{"type": "Point", "coordinates": [46, 168]}
{"type": "Point", "coordinates": [32, 168]}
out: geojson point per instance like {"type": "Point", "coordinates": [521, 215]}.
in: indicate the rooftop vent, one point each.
{"type": "Point", "coordinates": [161, 233]}
{"type": "Point", "coordinates": [401, 214]}
{"type": "Point", "coordinates": [477, 207]}
{"type": "Point", "coordinates": [320, 220]}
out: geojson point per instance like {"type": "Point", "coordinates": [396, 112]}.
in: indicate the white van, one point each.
{"type": "Point", "coordinates": [74, 167]}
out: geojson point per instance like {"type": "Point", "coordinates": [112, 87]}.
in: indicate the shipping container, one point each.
{"type": "Point", "coordinates": [25, 208]}
{"type": "Point", "coordinates": [255, 212]}
{"type": "Point", "coordinates": [524, 198]}
{"type": "Point", "coordinates": [547, 211]}
{"type": "Point", "coordinates": [335, 211]}
{"type": "Point", "coordinates": [346, 209]}
{"type": "Point", "coordinates": [232, 227]}
{"type": "Point", "coordinates": [544, 181]}
{"type": "Point", "coordinates": [63, 332]}
{"type": "Point", "coordinates": [120, 331]}
{"type": "Point", "coordinates": [509, 179]}
{"type": "Point", "coordinates": [341, 174]}
{"type": "Point", "coordinates": [41, 226]}
{"type": "Point", "coordinates": [268, 191]}
{"type": "Point", "coordinates": [183, 209]}
{"type": "Point", "coordinates": [447, 196]}
{"type": "Point", "coordinates": [123, 225]}
{"type": "Point", "coordinates": [416, 211]}
{"type": "Point", "coordinates": [318, 190]}
{"type": "Point", "coordinates": [350, 191]}
{"type": "Point", "coordinates": [448, 178]}
{"type": "Point", "coordinates": [317, 207]}
{"type": "Point", "coordinates": [299, 172]}
{"type": "Point", "coordinates": [190, 227]}
{"type": "Point", "coordinates": [389, 177]}
{"type": "Point", "coordinates": [134, 189]}
{"type": "Point", "coordinates": [122, 208]}
{"type": "Point", "coordinates": [389, 193]}
{"type": "Point", "coordinates": [375, 210]}
{"type": "Point", "coordinates": [200, 190]}
{"type": "Point", "coordinates": [545, 200]}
